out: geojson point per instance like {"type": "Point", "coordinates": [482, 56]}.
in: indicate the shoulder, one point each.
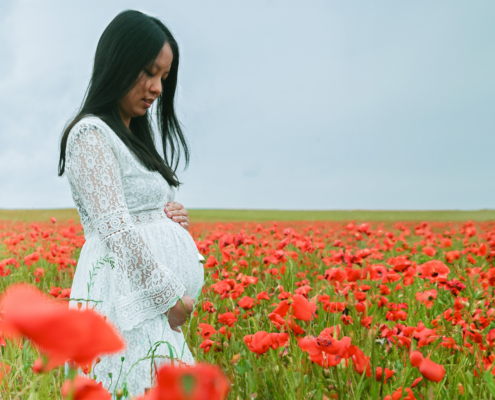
{"type": "Point", "coordinates": [91, 128]}
{"type": "Point", "coordinates": [89, 132]}
{"type": "Point", "coordinates": [89, 123]}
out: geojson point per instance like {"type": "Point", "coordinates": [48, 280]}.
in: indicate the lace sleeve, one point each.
{"type": "Point", "coordinates": [144, 287]}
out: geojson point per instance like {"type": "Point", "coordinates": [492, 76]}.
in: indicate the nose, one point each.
{"type": "Point", "coordinates": [156, 86]}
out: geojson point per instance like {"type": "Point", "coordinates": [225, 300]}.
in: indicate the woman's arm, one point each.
{"type": "Point", "coordinates": [143, 287]}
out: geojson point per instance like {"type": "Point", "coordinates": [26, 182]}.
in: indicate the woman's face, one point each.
{"type": "Point", "coordinates": [147, 88]}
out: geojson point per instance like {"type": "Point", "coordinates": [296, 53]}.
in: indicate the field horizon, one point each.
{"type": "Point", "coordinates": [223, 215]}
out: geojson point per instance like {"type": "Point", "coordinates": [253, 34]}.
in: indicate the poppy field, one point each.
{"type": "Point", "coordinates": [289, 310]}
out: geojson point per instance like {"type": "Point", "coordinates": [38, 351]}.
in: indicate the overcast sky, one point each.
{"type": "Point", "coordinates": [286, 104]}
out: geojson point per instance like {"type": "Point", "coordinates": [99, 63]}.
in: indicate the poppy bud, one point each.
{"type": "Point", "coordinates": [235, 359]}
{"type": "Point", "coordinates": [431, 370]}
{"type": "Point", "coordinates": [416, 358]}
{"type": "Point", "coordinates": [38, 366]}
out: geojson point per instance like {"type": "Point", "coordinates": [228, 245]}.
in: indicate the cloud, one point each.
{"type": "Point", "coordinates": [333, 106]}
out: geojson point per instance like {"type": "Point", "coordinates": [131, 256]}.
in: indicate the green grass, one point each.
{"type": "Point", "coordinates": [339, 215]}
{"type": "Point", "coordinates": [202, 215]}
{"type": "Point", "coordinates": [39, 215]}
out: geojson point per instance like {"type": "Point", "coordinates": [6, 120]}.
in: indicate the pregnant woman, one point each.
{"type": "Point", "coordinates": [121, 186]}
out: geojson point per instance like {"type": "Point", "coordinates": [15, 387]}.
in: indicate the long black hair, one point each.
{"type": "Point", "coordinates": [129, 44]}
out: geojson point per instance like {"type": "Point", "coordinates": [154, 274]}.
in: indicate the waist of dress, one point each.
{"type": "Point", "coordinates": [138, 218]}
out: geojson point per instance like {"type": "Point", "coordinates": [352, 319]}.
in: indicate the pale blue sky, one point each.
{"type": "Point", "coordinates": [286, 104]}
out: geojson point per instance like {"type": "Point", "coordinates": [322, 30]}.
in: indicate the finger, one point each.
{"type": "Point", "coordinates": [172, 213]}
{"type": "Point", "coordinates": [176, 329]}
{"type": "Point", "coordinates": [180, 219]}
{"type": "Point", "coordinates": [176, 213]}
{"type": "Point", "coordinates": [181, 212]}
{"type": "Point", "coordinates": [176, 206]}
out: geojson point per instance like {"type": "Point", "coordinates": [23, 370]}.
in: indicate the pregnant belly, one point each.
{"type": "Point", "coordinates": [174, 248]}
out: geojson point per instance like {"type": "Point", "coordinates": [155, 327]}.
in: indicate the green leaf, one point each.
{"type": "Point", "coordinates": [470, 382]}
{"type": "Point", "coordinates": [243, 366]}
{"type": "Point", "coordinates": [488, 378]}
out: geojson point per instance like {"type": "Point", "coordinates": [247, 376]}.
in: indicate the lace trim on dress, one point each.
{"type": "Point", "coordinates": [116, 223]}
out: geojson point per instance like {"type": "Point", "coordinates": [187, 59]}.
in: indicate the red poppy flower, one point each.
{"type": "Point", "coordinates": [427, 297]}
{"type": "Point", "coordinates": [206, 345]}
{"type": "Point", "coordinates": [248, 280]}
{"type": "Point", "coordinates": [62, 333]}
{"type": "Point", "coordinates": [225, 332]}
{"type": "Point", "coordinates": [262, 296]}
{"type": "Point", "coordinates": [199, 382]}
{"type": "Point", "coordinates": [315, 350]}
{"type": "Point", "coordinates": [208, 306]}
{"type": "Point", "coordinates": [398, 395]}
{"type": "Point", "coordinates": [429, 251]}
{"type": "Point", "coordinates": [384, 290]}
{"type": "Point", "coordinates": [228, 288]}
{"type": "Point", "coordinates": [434, 270]}
{"type": "Point", "coordinates": [377, 272]}
{"type": "Point", "coordinates": [409, 275]}
{"type": "Point", "coordinates": [303, 309]}
{"type": "Point", "coordinates": [425, 335]}
{"type": "Point", "coordinates": [416, 382]}
{"type": "Point", "coordinates": [400, 263]}
{"type": "Point", "coordinates": [84, 389]}
{"type": "Point", "coordinates": [379, 374]}
{"type": "Point", "coordinates": [429, 369]}
{"type": "Point", "coordinates": [325, 350]}
{"type": "Point", "coordinates": [303, 290]}
{"type": "Point", "coordinates": [207, 330]}
{"type": "Point", "coordinates": [432, 371]}
{"type": "Point", "coordinates": [360, 361]}
{"type": "Point", "coordinates": [416, 357]}
{"type": "Point", "coordinates": [246, 303]}
{"type": "Point", "coordinates": [258, 343]}
{"type": "Point", "coordinates": [212, 262]}
{"type": "Point", "coordinates": [228, 318]}
{"type": "Point", "coordinates": [262, 341]}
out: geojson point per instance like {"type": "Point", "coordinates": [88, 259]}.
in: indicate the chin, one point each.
{"type": "Point", "coordinates": [140, 113]}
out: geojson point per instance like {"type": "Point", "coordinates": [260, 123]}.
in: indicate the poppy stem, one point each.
{"type": "Point", "coordinates": [30, 386]}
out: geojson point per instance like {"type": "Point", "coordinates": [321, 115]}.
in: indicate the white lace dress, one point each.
{"type": "Point", "coordinates": [155, 260]}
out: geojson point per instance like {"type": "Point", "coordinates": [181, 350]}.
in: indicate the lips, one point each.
{"type": "Point", "coordinates": [149, 101]}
